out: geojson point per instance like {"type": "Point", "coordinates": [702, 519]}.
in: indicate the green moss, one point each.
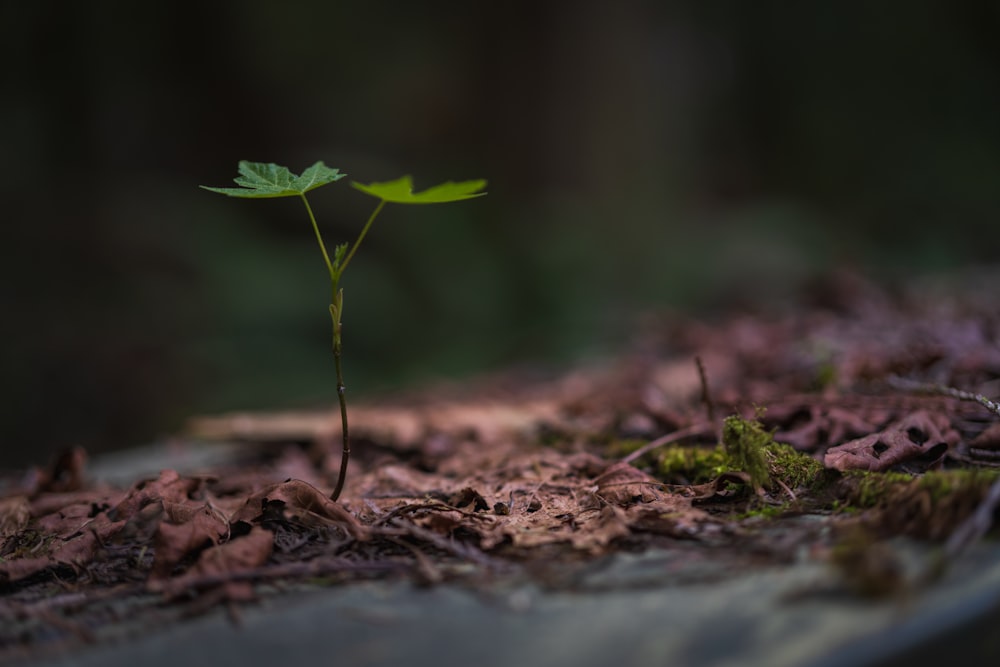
{"type": "Point", "coordinates": [941, 484]}
{"type": "Point", "coordinates": [745, 441]}
{"type": "Point", "coordinates": [693, 465]}
{"type": "Point", "coordinates": [765, 512]}
{"type": "Point", "coordinates": [870, 488]}
{"type": "Point", "coordinates": [746, 447]}
{"type": "Point", "coordinates": [794, 468]}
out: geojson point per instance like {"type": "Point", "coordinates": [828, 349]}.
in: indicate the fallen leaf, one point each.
{"type": "Point", "coordinates": [919, 435]}
{"type": "Point", "coordinates": [299, 495]}
{"type": "Point", "coordinates": [14, 515]}
{"type": "Point", "coordinates": [175, 542]}
{"type": "Point", "coordinates": [468, 498]}
{"type": "Point", "coordinates": [218, 566]}
{"type": "Point", "coordinates": [65, 473]}
{"type": "Point", "coordinates": [623, 484]}
{"type": "Point", "coordinates": [169, 488]}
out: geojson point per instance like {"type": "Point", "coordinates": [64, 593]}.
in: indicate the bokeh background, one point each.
{"type": "Point", "coordinates": [641, 155]}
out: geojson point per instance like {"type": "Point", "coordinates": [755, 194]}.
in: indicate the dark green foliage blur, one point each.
{"type": "Point", "coordinates": [658, 155]}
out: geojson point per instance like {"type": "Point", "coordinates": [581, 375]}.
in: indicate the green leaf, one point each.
{"type": "Point", "coordinates": [400, 191]}
{"type": "Point", "coordinates": [260, 179]}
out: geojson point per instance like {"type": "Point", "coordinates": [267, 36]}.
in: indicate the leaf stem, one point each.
{"type": "Point", "coordinates": [319, 239]}
{"type": "Point", "coordinates": [361, 236]}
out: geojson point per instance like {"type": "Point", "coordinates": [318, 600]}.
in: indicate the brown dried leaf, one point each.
{"type": "Point", "coordinates": [400, 481]}
{"type": "Point", "coordinates": [596, 529]}
{"type": "Point", "coordinates": [217, 566]}
{"type": "Point", "coordinates": [56, 503]}
{"type": "Point", "coordinates": [674, 515]}
{"type": "Point", "coordinates": [298, 495]}
{"type": "Point", "coordinates": [75, 549]}
{"type": "Point", "coordinates": [988, 439]}
{"type": "Point", "coordinates": [469, 499]}
{"type": "Point", "coordinates": [622, 484]}
{"type": "Point", "coordinates": [14, 515]}
{"type": "Point", "coordinates": [919, 435]}
{"type": "Point", "coordinates": [174, 542]}
{"type": "Point", "coordinates": [169, 488]}
{"type": "Point", "coordinates": [65, 473]}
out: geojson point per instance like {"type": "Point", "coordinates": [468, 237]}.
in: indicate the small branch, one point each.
{"type": "Point", "coordinates": [943, 390]}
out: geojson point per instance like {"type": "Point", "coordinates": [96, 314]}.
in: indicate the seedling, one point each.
{"type": "Point", "coordinates": [258, 180]}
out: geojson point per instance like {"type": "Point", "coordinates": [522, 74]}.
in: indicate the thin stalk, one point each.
{"type": "Point", "coordinates": [345, 456]}
{"type": "Point", "coordinates": [361, 236]}
{"type": "Point", "coordinates": [319, 239]}
{"type": "Point", "coordinates": [336, 313]}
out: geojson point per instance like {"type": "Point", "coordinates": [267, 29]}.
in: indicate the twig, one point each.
{"type": "Point", "coordinates": [696, 429]}
{"type": "Point", "coordinates": [791, 494]}
{"type": "Point", "coordinates": [943, 390]}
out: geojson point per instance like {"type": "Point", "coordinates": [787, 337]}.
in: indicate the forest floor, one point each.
{"type": "Point", "coordinates": [821, 432]}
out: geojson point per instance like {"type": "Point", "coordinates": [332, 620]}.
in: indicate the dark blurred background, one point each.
{"type": "Point", "coordinates": [658, 155]}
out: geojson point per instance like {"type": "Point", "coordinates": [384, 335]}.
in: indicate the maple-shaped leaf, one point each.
{"type": "Point", "coordinates": [266, 179]}
{"type": "Point", "coordinates": [400, 191]}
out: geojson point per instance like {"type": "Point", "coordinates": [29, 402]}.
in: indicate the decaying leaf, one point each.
{"type": "Point", "coordinates": [217, 566]}
{"type": "Point", "coordinates": [920, 435]}
{"type": "Point", "coordinates": [621, 484]}
{"type": "Point", "coordinates": [65, 473]}
{"type": "Point", "coordinates": [169, 488]}
{"type": "Point", "coordinates": [14, 515]}
{"type": "Point", "coordinates": [299, 495]}
{"type": "Point", "coordinates": [175, 542]}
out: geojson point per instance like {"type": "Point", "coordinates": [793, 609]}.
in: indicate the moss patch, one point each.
{"type": "Point", "coordinates": [746, 447]}
{"type": "Point", "coordinates": [793, 468]}
{"type": "Point", "coordinates": [692, 465]}
{"type": "Point", "coordinates": [746, 441]}
{"type": "Point", "coordinates": [927, 506]}
{"type": "Point", "coordinates": [751, 449]}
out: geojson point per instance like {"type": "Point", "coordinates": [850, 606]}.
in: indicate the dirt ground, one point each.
{"type": "Point", "coordinates": [820, 430]}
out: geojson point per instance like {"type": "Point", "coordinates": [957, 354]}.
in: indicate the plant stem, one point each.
{"type": "Point", "coordinates": [336, 313]}
{"type": "Point", "coordinates": [335, 310]}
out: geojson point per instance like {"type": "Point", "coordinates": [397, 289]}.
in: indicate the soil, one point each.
{"type": "Point", "coordinates": [823, 432]}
